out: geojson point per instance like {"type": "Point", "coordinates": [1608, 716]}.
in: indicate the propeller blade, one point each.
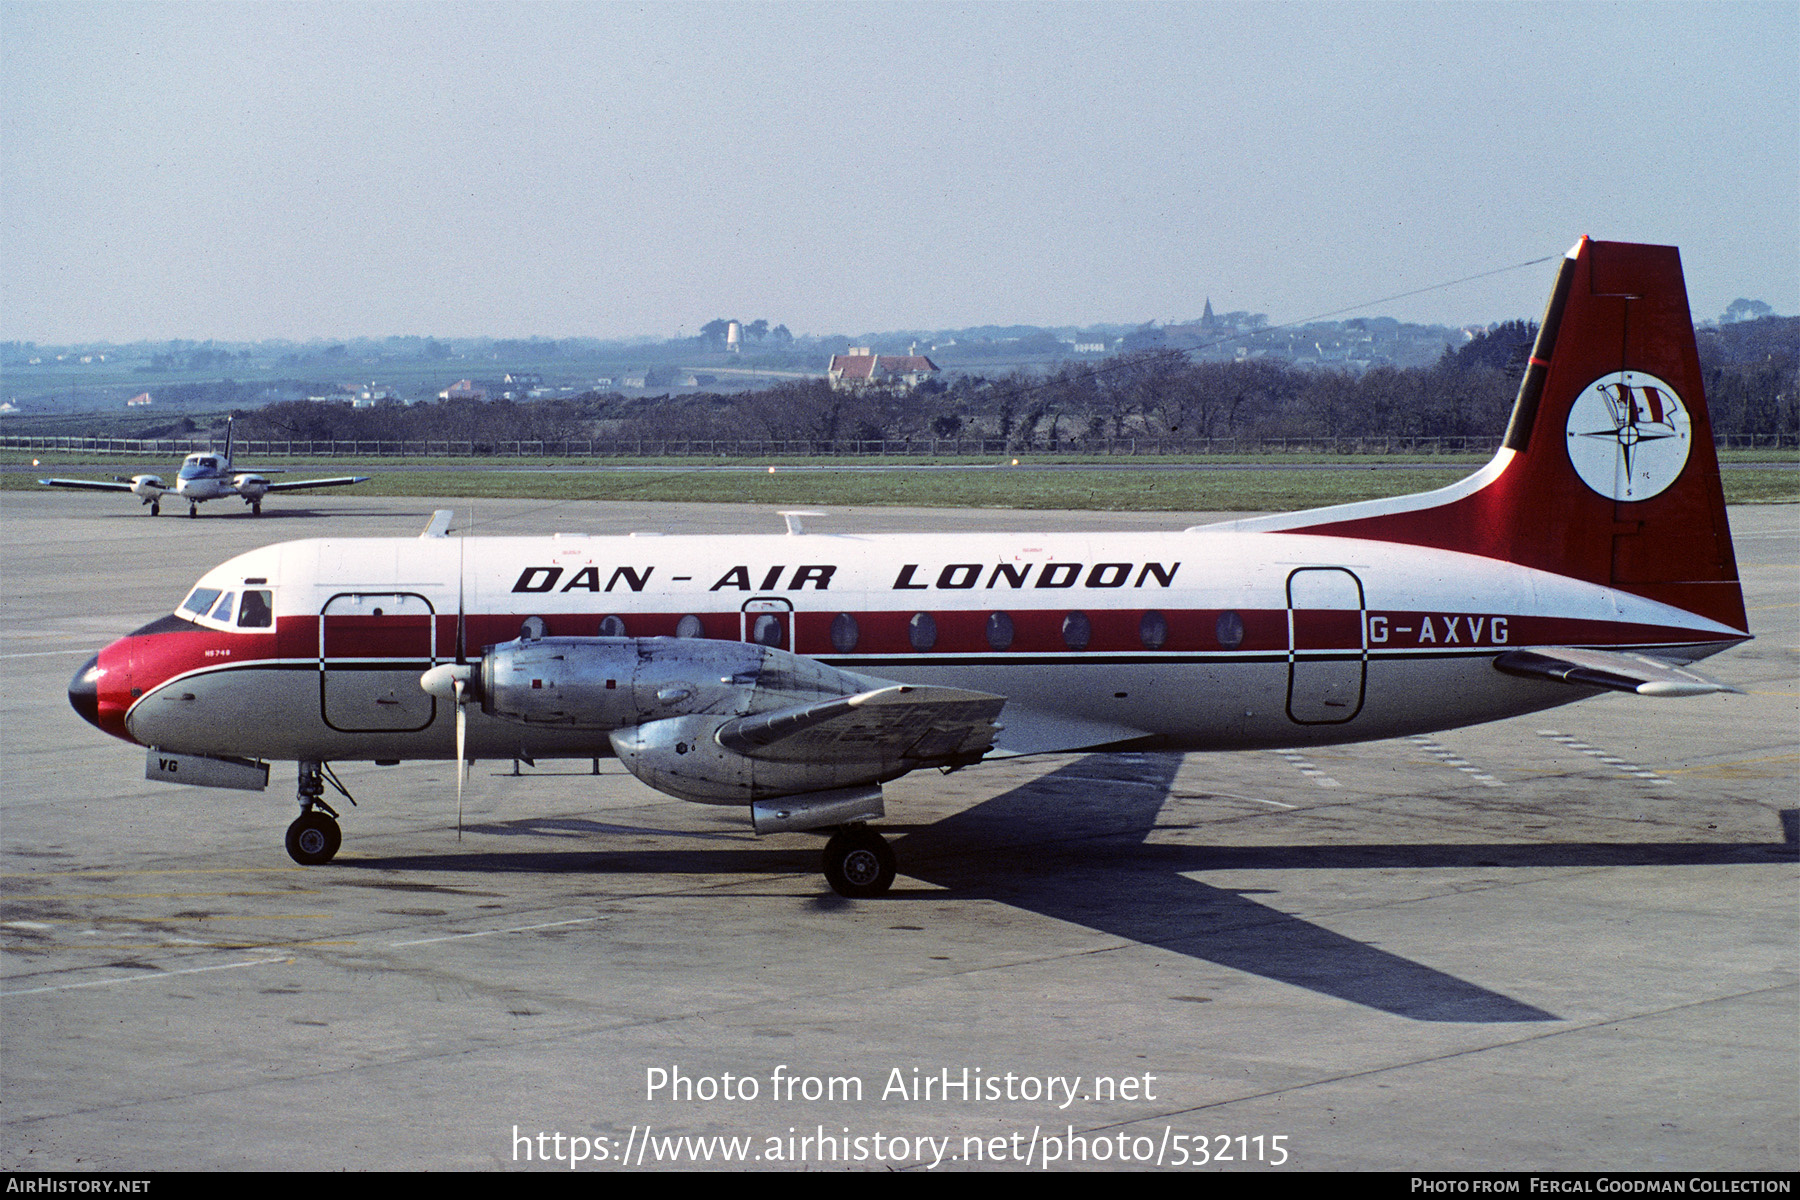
{"type": "Point", "coordinates": [462, 734]}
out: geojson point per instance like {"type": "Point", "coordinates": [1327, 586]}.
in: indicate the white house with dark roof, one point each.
{"type": "Point", "coordinates": [863, 368]}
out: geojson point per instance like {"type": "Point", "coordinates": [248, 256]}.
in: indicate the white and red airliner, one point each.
{"type": "Point", "coordinates": [795, 674]}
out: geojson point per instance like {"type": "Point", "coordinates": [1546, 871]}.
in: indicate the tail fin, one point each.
{"type": "Point", "coordinates": [1607, 472]}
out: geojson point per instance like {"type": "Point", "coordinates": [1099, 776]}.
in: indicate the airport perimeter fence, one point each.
{"type": "Point", "coordinates": [977, 448]}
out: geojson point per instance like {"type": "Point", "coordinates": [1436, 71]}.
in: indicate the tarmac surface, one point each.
{"type": "Point", "coordinates": [1561, 942]}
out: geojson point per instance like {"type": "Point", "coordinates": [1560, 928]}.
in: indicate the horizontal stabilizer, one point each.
{"type": "Point", "coordinates": [1608, 669]}
{"type": "Point", "coordinates": [920, 724]}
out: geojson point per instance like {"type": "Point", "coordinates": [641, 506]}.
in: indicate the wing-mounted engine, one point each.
{"type": "Point", "coordinates": [251, 487]}
{"type": "Point", "coordinates": [148, 487]}
{"type": "Point", "coordinates": [729, 722]}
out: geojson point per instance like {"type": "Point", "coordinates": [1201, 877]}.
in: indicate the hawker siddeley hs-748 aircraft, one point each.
{"type": "Point", "coordinates": [794, 675]}
{"type": "Point", "coordinates": [205, 475]}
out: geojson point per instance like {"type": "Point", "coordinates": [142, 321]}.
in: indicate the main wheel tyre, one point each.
{"type": "Point", "coordinates": [859, 863]}
{"type": "Point", "coordinates": [313, 839]}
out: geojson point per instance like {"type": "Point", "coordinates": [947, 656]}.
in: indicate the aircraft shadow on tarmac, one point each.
{"type": "Point", "coordinates": [1071, 845]}
{"type": "Point", "coordinates": [278, 510]}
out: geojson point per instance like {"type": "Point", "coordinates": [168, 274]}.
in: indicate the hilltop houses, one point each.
{"type": "Point", "coordinates": [862, 368]}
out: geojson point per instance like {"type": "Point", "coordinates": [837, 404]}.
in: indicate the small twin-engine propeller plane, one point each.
{"type": "Point", "coordinates": [205, 475]}
{"type": "Point", "coordinates": [794, 675]}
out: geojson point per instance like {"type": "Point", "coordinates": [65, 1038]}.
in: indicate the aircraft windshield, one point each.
{"type": "Point", "coordinates": [200, 600]}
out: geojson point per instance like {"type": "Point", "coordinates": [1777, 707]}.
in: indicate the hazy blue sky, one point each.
{"type": "Point", "coordinates": [244, 171]}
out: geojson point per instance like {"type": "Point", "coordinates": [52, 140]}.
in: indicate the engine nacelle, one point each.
{"type": "Point", "coordinates": [663, 700]}
{"type": "Point", "coordinates": [251, 487]}
{"type": "Point", "coordinates": [148, 487]}
{"type": "Point", "coordinates": [682, 757]}
{"type": "Point", "coordinates": [609, 683]}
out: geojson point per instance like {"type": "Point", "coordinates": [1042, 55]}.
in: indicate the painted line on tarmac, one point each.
{"type": "Point", "coordinates": [1613, 761]}
{"type": "Point", "coordinates": [1305, 766]}
{"type": "Point", "coordinates": [1450, 758]}
{"type": "Point", "coordinates": [452, 937]}
{"type": "Point", "coordinates": [65, 987]}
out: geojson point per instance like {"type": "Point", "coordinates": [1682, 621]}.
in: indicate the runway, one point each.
{"type": "Point", "coordinates": [1564, 942]}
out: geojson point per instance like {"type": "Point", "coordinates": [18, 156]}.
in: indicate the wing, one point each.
{"type": "Point", "coordinates": [902, 725]}
{"type": "Point", "coordinates": [295, 485]}
{"type": "Point", "coordinates": [1612, 669]}
{"type": "Point", "coordinates": [89, 485]}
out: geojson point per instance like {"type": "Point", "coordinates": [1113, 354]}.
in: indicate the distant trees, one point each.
{"type": "Point", "coordinates": [1751, 371]}
{"type": "Point", "coordinates": [715, 331]}
{"type": "Point", "coordinates": [1745, 310]}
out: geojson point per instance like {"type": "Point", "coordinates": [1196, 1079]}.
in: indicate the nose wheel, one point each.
{"type": "Point", "coordinates": [859, 863]}
{"type": "Point", "coordinates": [313, 839]}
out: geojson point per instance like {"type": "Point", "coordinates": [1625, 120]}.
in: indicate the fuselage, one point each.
{"type": "Point", "coordinates": [205, 477]}
{"type": "Point", "coordinates": [312, 650]}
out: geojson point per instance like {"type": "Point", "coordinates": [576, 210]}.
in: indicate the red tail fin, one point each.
{"type": "Point", "coordinates": [1608, 472]}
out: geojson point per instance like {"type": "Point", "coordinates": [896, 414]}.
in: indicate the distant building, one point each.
{"type": "Point", "coordinates": [463, 389]}
{"type": "Point", "coordinates": [861, 368]}
{"type": "Point", "coordinates": [140, 400]}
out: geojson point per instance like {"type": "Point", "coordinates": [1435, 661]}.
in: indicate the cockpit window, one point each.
{"type": "Point", "coordinates": [200, 600]}
{"type": "Point", "coordinates": [256, 612]}
{"type": "Point", "coordinates": [223, 610]}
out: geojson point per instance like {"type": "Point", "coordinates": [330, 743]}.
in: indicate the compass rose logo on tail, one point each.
{"type": "Point", "coordinates": [1629, 435]}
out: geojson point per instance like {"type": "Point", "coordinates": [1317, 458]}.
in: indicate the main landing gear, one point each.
{"type": "Point", "coordinates": [858, 863]}
{"type": "Point", "coordinates": [314, 837]}
{"type": "Point", "coordinates": [155, 509]}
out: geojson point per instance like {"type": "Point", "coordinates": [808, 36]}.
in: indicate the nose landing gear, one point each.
{"type": "Point", "coordinates": [314, 837]}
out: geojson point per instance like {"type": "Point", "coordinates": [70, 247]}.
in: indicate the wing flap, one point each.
{"type": "Point", "coordinates": [1612, 669]}
{"type": "Point", "coordinates": [906, 725]}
